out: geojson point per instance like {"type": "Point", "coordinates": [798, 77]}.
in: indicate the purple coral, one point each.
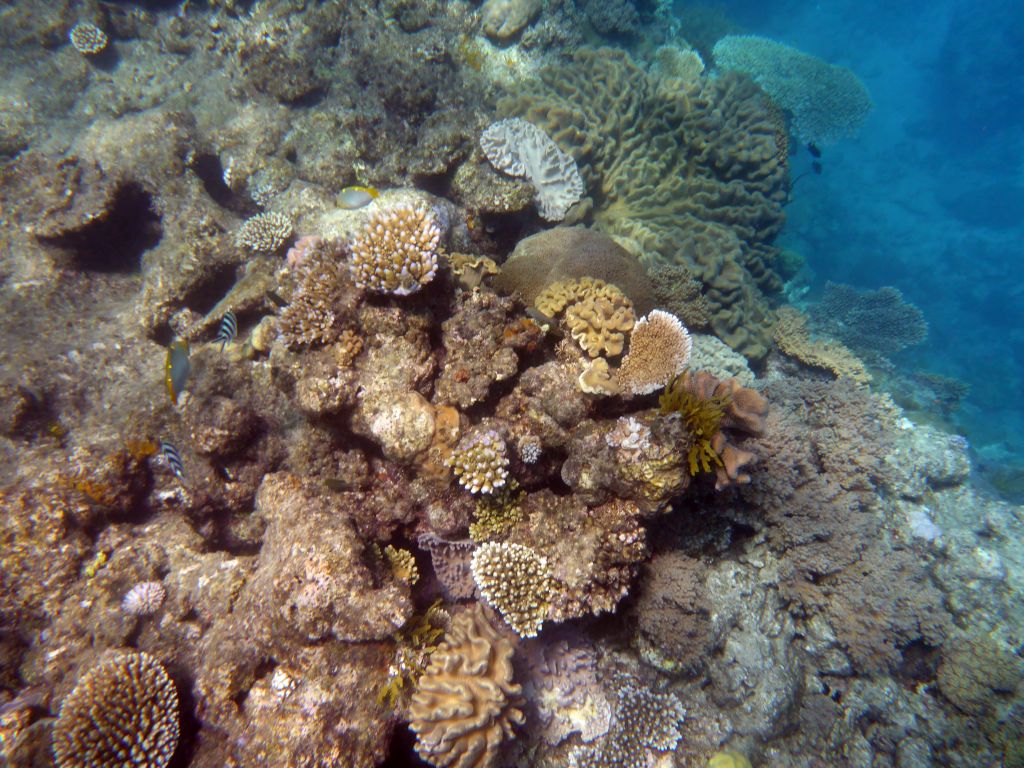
{"type": "Point", "coordinates": [144, 599]}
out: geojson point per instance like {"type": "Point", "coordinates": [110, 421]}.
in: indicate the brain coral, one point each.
{"type": "Point", "coordinates": [123, 713]}
{"type": "Point", "coordinates": [678, 173]}
{"type": "Point", "coordinates": [466, 704]}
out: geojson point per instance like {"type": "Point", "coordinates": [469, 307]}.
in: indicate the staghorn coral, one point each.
{"type": "Point", "coordinates": [123, 712]}
{"type": "Point", "coordinates": [520, 148]}
{"type": "Point", "coordinates": [397, 251]}
{"type": "Point", "coordinates": [877, 322]}
{"type": "Point", "coordinates": [794, 339]}
{"type": "Point", "coordinates": [466, 705]}
{"type": "Point", "coordinates": [516, 581]}
{"type": "Point", "coordinates": [403, 564]}
{"type": "Point", "coordinates": [264, 232]}
{"type": "Point", "coordinates": [680, 175]}
{"type": "Point", "coordinates": [827, 102]}
{"type": "Point", "coordinates": [480, 462]}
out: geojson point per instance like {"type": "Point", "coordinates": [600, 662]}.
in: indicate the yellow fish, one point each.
{"type": "Point", "coordinates": [176, 368]}
{"type": "Point", "coordinates": [351, 198]}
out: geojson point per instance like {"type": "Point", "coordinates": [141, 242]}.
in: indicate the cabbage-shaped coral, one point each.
{"type": "Point", "coordinates": [397, 252]}
{"type": "Point", "coordinates": [827, 102]}
{"type": "Point", "coordinates": [466, 704]}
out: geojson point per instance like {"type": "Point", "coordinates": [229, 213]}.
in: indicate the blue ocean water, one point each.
{"type": "Point", "coordinates": [929, 196]}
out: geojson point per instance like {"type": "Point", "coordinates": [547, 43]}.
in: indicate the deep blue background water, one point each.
{"type": "Point", "coordinates": [929, 196]}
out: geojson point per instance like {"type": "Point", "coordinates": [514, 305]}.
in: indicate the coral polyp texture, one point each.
{"type": "Point", "coordinates": [480, 462]}
{"type": "Point", "coordinates": [397, 251]}
{"type": "Point", "coordinates": [516, 581]}
{"type": "Point", "coordinates": [265, 232]}
{"type": "Point", "coordinates": [88, 39]}
{"type": "Point", "coordinates": [520, 148]}
{"type": "Point", "coordinates": [827, 102]}
{"type": "Point", "coordinates": [144, 599]}
{"type": "Point", "coordinates": [466, 705]}
{"type": "Point", "coordinates": [123, 712]}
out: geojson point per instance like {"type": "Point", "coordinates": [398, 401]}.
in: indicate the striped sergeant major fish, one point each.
{"type": "Point", "coordinates": [228, 330]}
{"type": "Point", "coordinates": [170, 453]}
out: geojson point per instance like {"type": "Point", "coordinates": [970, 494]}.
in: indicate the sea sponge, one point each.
{"type": "Point", "coordinates": [520, 148]}
{"type": "Point", "coordinates": [480, 462]}
{"type": "Point", "coordinates": [516, 581]}
{"type": "Point", "coordinates": [265, 232]}
{"type": "Point", "coordinates": [466, 705]}
{"type": "Point", "coordinates": [122, 713]}
{"type": "Point", "coordinates": [397, 251]}
{"type": "Point", "coordinates": [827, 102]}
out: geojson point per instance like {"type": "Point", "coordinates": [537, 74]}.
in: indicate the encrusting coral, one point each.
{"type": "Point", "coordinates": [122, 713]}
{"type": "Point", "coordinates": [466, 705]}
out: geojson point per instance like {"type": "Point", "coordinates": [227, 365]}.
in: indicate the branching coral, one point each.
{"type": "Point", "coordinates": [827, 102]}
{"type": "Point", "coordinates": [645, 721]}
{"type": "Point", "coordinates": [122, 713]}
{"type": "Point", "coordinates": [323, 300]}
{"type": "Point", "coordinates": [659, 349]}
{"type": "Point", "coordinates": [397, 252]}
{"type": "Point", "coordinates": [879, 322]}
{"type": "Point", "coordinates": [516, 581]}
{"type": "Point", "coordinates": [466, 705]}
{"type": "Point", "coordinates": [480, 462]}
{"type": "Point", "coordinates": [265, 232]}
{"type": "Point", "coordinates": [498, 513]}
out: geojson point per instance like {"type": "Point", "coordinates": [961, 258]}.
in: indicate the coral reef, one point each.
{"type": "Point", "coordinates": [397, 252]}
{"type": "Point", "coordinates": [878, 322]}
{"type": "Point", "coordinates": [265, 232]}
{"type": "Point", "coordinates": [516, 581]}
{"type": "Point", "coordinates": [827, 102]}
{"type": "Point", "coordinates": [794, 339]}
{"type": "Point", "coordinates": [122, 712]}
{"type": "Point", "coordinates": [466, 704]}
{"type": "Point", "coordinates": [480, 462]}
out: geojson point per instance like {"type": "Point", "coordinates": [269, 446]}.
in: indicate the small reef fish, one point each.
{"type": "Point", "coordinates": [351, 198]}
{"type": "Point", "coordinates": [816, 167]}
{"type": "Point", "coordinates": [176, 368]}
{"type": "Point", "coordinates": [228, 330]}
{"type": "Point", "coordinates": [813, 149]}
{"type": "Point", "coordinates": [170, 453]}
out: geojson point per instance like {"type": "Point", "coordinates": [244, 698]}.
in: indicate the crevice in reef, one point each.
{"type": "Point", "coordinates": [115, 241]}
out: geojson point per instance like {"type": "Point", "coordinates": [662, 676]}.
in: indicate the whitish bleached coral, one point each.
{"type": "Point", "coordinates": [144, 599]}
{"type": "Point", "coordinates": [516, 581]}
{"type": "Point", "coordinates": [88, 39]}
{"type": "Point", "coordinates": [530, 449]}
{"type": "Point", "coordinates": [480, 462]}
{"type": "Point", "coordinates": [827, 102]}
{"type": "Point", "coordinates": [629, 435]}
{"type": "Point", "coordinates": [520, 148]}
{"type": "Point", "coordinates": [465, 705]}
{"type": "Point", "coordinates": [397, 252]}
{"type": "Point", "coordinates": [265, 232]}
{"type": "Point", "coordinates": [122, 712]}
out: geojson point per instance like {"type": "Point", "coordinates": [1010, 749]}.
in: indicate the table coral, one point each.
{"type": "Point", "coordinates": [794, 339]}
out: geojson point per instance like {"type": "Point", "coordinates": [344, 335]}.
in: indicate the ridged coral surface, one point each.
{"type": "Point", "coordinates": [466, 704]}
{"type": "Point", "coordinates": [123, 713]}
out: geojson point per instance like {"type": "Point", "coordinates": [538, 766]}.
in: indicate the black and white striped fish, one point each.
{"type": "Point", "coordinates": [173, 458]}
{"type": "Point", "coordinates": [228, 330]}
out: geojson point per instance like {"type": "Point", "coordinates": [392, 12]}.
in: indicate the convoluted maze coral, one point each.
{"type": "Point", "coordinates": [123, 713]}
{"type": "Point", "coordinates": [671, 170]}
{"type": "Point", "coordinates": [397, 252]}
{"type": "Point", "coordinates": [466, 704]}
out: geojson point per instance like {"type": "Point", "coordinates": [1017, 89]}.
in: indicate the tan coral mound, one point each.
{"type": "Point", "coordinates": [466, 704]}
{"type": "Point", "coordinates": [598, 315]}
{"type": "Point", "coordinates": [123, 713]}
